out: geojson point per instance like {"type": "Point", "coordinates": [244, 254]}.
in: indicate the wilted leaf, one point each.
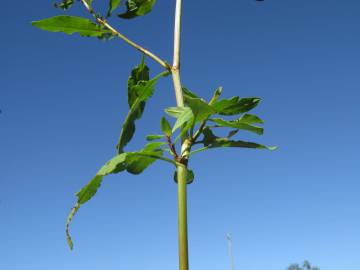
{"type": "Point", "coordinates": [235, 105]}
{"type": "Point", "coordinates": [137, 8]}
{"type": "Point", "coordinates": [139, 92]}
{"type": "Point", "coordinates": [115, 165]}
{"type": "Point", "coordinates": [70, 25]}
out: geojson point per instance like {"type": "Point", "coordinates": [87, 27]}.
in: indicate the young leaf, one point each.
{"type": "Point", "coordinates": [70, 25]}
{"type": "Point", "coordinates": [137, 8]}
{"type": "Point", "coordinates": [200, 109]}
{"type": "Point", "coordinates": [113, 4]}
{"type": "Point", "coordinates": [235, 105]}
{"type": "Point", "coordinates": [238, 124]}
{"type": "Point", "coordinates": [183, 115]}
{"type": "Point", "coordinates": [115, 165]}
{"type": "Point", "coordinates": [65, 4]}
{"type": "Point", "coordinates": [165, 127]}
{"type": "Point", "coordinates": [154, 137]}
{"type": "Point", "coordinates": [189, 176]}
{"type": "Point", "coordinates": [188, 94]}
{"type": "Point", "coordinates": [216, 95]}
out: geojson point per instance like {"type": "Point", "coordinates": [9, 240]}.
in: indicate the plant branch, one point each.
{"type": "Point", "coordinates": [176, 59]}
{"type": "Point", "coordinates": [115, 32]}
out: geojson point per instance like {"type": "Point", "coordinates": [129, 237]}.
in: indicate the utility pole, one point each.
{"type": "Point", "coordinates": [229, 239]}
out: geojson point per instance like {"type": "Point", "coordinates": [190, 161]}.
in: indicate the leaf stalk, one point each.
{"type": "Point", "coordinates": [115, 32]}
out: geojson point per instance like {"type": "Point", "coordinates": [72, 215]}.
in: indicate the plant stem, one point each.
{"type": "Point", "coordinates": [181, 170]}
{"type": "Point", "coordinates": [182, 218]}
{"type": "Point", "coordinates": [123, 37]}
{"type": "Point", "coordinates": [176, 61]}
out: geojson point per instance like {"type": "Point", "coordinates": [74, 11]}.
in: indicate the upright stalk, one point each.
{"type": "Point", "coordinates": [181, 169]}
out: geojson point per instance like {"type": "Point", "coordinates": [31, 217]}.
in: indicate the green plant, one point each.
{"type": "Point", "coordinates": [194, 121]}
{"type": "Point", "coordinates": [306, 266]}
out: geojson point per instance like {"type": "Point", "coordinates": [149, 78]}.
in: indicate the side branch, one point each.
{"type": "Point", "coordinates": [115, 32]}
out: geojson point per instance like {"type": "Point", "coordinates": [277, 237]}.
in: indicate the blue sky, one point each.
{"type": "Point", "coordinates": [63, 99]}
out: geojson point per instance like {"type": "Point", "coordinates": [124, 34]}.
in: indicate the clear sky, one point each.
{"type": "Point", "coordinates": [63, 99]}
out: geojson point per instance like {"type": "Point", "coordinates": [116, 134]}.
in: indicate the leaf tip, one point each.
{"type": "Point", "coordinates": [68, 222]}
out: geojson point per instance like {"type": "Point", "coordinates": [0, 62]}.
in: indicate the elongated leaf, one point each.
{"type": "Point", "coordinates": [165, 127]}
{"type": "Point", "coordinates": [235, 105]}
{"type": "Point", "coordinates": [183, 115]}
{"type": "Point", "coordinates": [113, 4]}
{"type": "Point", "coordinates": [200, 109]}
{"type": "Point", "coordinates": [154, 137]}
{"type": "Point", "coordinates": [212, 141]}
{"type": "Point", "coordinates": [142, 90]}
{"type": "Point", "coordinates": [137, 8]}
{"type": "Point", "coordinates": [136, 163]}
{"type": "Point", "coordinates": [70, 25]}
{"type": "Point", "coordinates": [188, 94]}
{"type": "Point", "coordinates": [65, 4]}
{"type": "Point", "coordinates": [250, 119]}
{"type": "Point", "coordinates": [115, 165]}
{"type": "Point", "coordinates": [238, 124]}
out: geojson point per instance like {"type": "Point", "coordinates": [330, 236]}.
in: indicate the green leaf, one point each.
{"type": "Point", "coordinates": [154, 137]}
{"type": "Point", "coordinates": [137, 8]}
{"type": "Point", "coordinates": [165, 127]}
{"type": "Point", "coordinates": [212, 141]}
{"type": "Point", "coordinates": [115, 165]}
{"type": "Point", "coordinates": [65, 4]}
{"type": "Point", "coordinates": [70, 25]}
{"type": "Point", "coordinates": [138, 74]}
{"type": "Point", "coordinates": [238, 124]}
{"type": "Point", "coordinates": [139, 92]}
{"type": "Point", "coordinates": [235, 105]}
{"type": "Point", "coordinates": [200, 109]}
{"type": "Point", "coordinates": [242, 144]}
{"type": "Point", "coordinates": [188, 94]}
{"type": "Point", "coordinates": [137, 163]}
{"type": "Point", "coordinates": [113, 4]}
{"type": "Point", "coordinates": [216, 95]}
{"type": "Point", "coordinates": [183, 115]}
{"type": "Point", "coordinates": [250, 119]}
{"type": "Point", "coordinates": [189, 176]}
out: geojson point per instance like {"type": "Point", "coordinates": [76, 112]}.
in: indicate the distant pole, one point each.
{"type": "Point", "coordinates": [228, 236]}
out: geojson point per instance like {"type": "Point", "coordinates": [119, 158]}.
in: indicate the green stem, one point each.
{"type": "Point", "coordinates": [181, 170]}
{"type": "Point", "coordinates": [182, 218]}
